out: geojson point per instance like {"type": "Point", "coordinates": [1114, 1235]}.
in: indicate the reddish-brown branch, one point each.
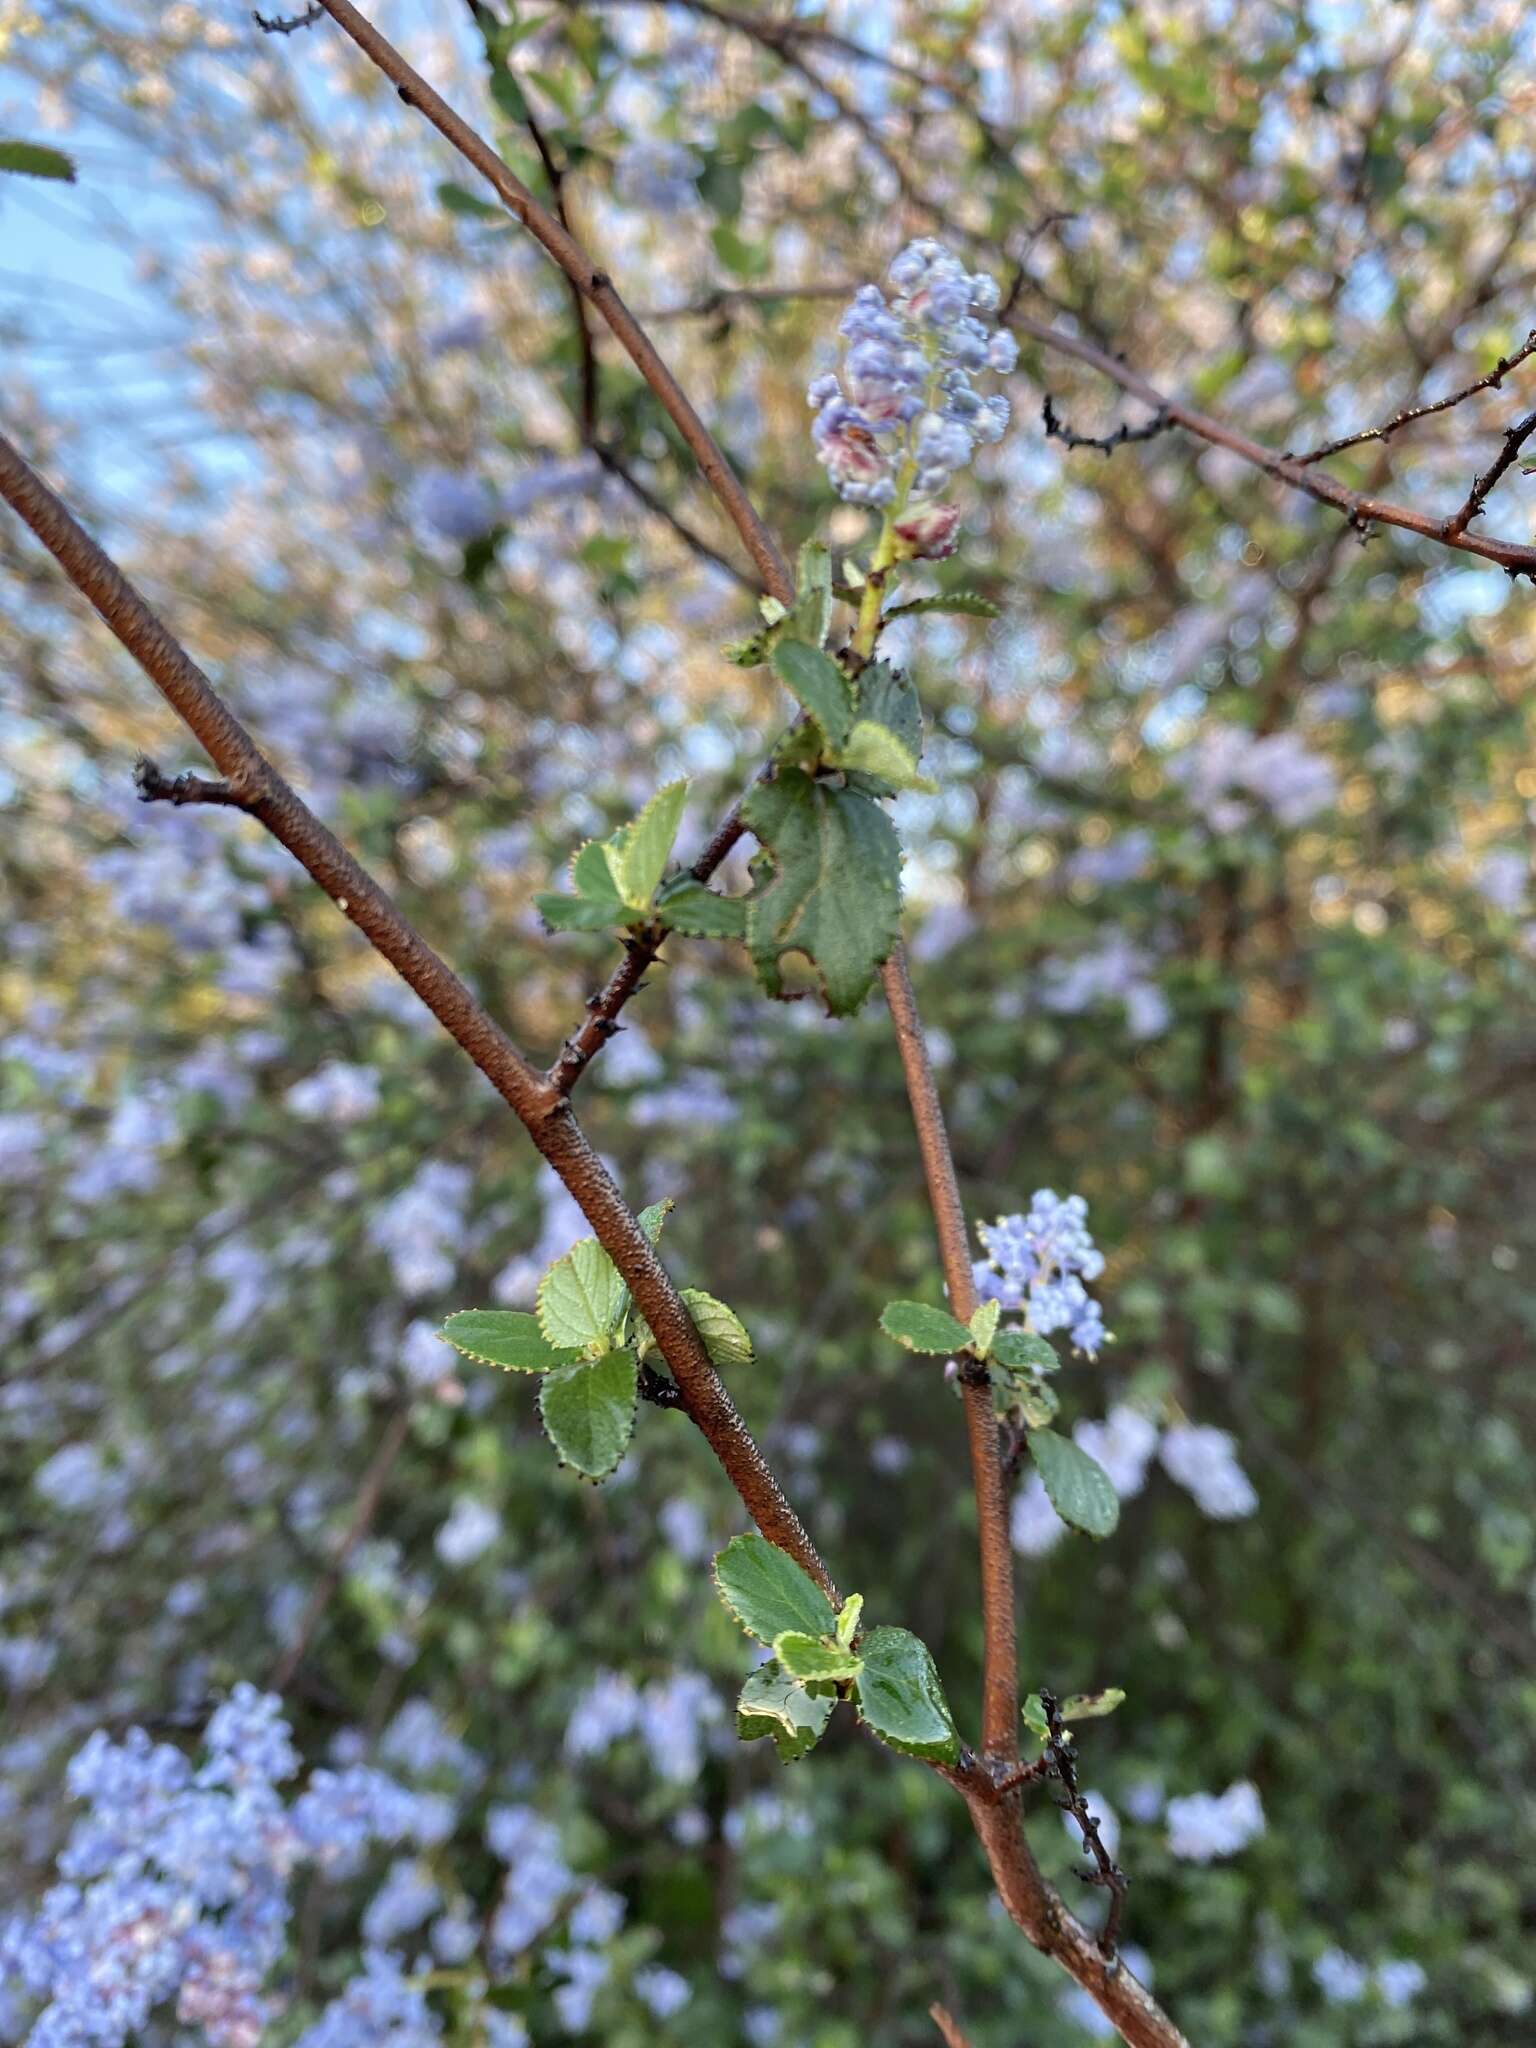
{"type": "Point", "coordinates": [948, 2026]}
{"type": "Point", "coordinates": [595, 285]}
{"type": "Point", "coordinates": [259, 789]}
{"type": "Point", "coordinates": [1000, 1675]}
{"type": "Point", "coordinates": [1483, 485]}
{"type": "Point", "coordinates": [1360, 509]}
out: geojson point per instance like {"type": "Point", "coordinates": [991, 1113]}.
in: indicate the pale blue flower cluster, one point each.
{"type": "Point", "coordinates": [173, 1891]}
{"type": "Point", "coordinates": [1038, 1264]}
{"type": "Point", "coordinates": [904, 415]}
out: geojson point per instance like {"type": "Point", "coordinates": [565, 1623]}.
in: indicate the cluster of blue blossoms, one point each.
{"type": "Point", "coordinates": [175, 1882]}
{"type": "Point", "coordinates": [1039, 1264]}
{"type": "Point", "coordinates": [905, 415]}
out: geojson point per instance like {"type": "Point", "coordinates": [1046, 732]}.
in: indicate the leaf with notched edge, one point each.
{"type": "Point", "coordinates": [773, 1703]}
{"type": "Point", "coordinates": [921, 1328]}
{"type": "Point", "coordinates": [581, 1297]}
{"type": "Point", "coordinates": [588, 1411]}
{"type": "Point", "coordinates": [828, 884]}
{"type": "Point", "coordinates": [509, 1338]}
{"type": "Point", "coordinates": [768, 1592]}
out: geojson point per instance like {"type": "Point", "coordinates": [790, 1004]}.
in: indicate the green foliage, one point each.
{"type": "Point", "coordinates": [616, 879]}
{"type": "Point", "coordinates": [819, 685]}
{"type": "Point", "coordinates": [36, 160]}
{"type": "Point", "coordinates": [581, 1298]}
{"type": "Point", "coordinates": [828, 885]}
{"type": "Point", "coordinates": [1077, 1706]}
{"type": "Point", "coordinates": [921, 1328]}
{"type": "Point", "coordinates": [588, 1411]}
{"type": "Point", "coordinates": [901, 1698]}
{"type": "Point", "coordinates": [768, 1593]}
{"type": "Point", "coordinates": [507, 1337]}
{"type": "Point", "coordinates": [968, 604]}
{"type": "Point", "coordinates": [724, 1334]}
{"type": "Point", "coordinates": [983, 1327]}
{"type": "Point", "coordinates": [814, 1658]}
{"type": "Point", "coordinates": [1022, 1351]}
{"type": "Point", "coordinates": [1080, 1489]}
{"type": "Point", "coordinates": [689, 907]}
{"type": "Point", "coordinates": [773, 1703]}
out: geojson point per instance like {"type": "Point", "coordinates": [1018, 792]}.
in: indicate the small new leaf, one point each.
{"type": "Point", "coordinates": [688, 906]}
{"type": "Point", "coordinates": [773, 1703]}
{"type": "Point", "coordinates": [724, 1334]}
{"type": "Point", "coordinates": [1092, 1706]}
{"type": "Point", "coordinates": [819, 685]}
{"type": "Point", "coordinates": [848, 1620]}
{"type": "Point", "coordinates": [768, 1593]}
{"type": "Point", "coordinates": [581, 1298]}
{"type": "Point", "coordinates": [812, 1659]}
{"type": "Point", "coordinates": [1080, 1490]}
{"type": "Point", "coordinates": [873, 749]}
{"type": "Point", "coordinates": [984, 1327]}
{"type": "Point", "coordinates": [642, 849]}
{"type": "Point", "coordinates": [1034, 1401]}
{"type": "Point", "coordinates": [652, 1219]}
{"type": "Point", "coordinates": [901, 1699]}
{"type": "Point", "coordinates": [920, 1328]}
{"type": "Point", "coordinates": [588, 1411]}
{"type": "Point", "coordinates": [1023, 1351]}
{"type": "Point", "coordinates": [510, 1338]}
{"type": "Point", "coordinates": [812, 615]}
{"type": "Point", "coordinates": [828, 885]}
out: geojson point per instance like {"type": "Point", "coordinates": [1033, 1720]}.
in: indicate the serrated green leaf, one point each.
{"type": "Point", "coordinates": [686, 905]}
{"type": "Point", "coordinates": [652, 1219]}
{"type": "Point", "coordinates": [828, 884]}
{"type": "Point", "coordinates": [983, 1326]}
{"type": "Point", "coordinates": [921, 1328]}
{"type": "Point", "coordinates": [510, 1338]}
{"type": "Point", "coordinates": [1092, 1706]}
{"type": "Point", "coordinates": [818, 684]}
{"type": "Point", "coordinates": [1080, 1490]}
{"type": "Point", "coordinates": [901, 1698]}
{"type": "Point", "coordinates": [724, 1333]}
{"type": "Point", "coordinates": [581, 1297]}
{"type": "Point", "coordinates": [580, 913]}
{"type": "Point", "coordinates": [36, 160]}
{"type": "Point", "coordinates": [773, 1703]}
{"type": "Point", "coordinates": [768, 1592]}
{"type": "Point", "coordinates": [809, 1658]}
{"type": "Point", "coordinates": [594, 874]}
{"type": "Point", "coordinates": [873, 749]}
{"type": "Point", "coordinates": [588, 1411]}
{"type": "Point", "coordinates": [966, 603]}
{"type": "Point", "coordinates": [642, 849]}
{"type": "Point", "coordinates": [1023, 1351]}
{"type": "Point", "coordinates": [848, 1619]}
{"type": "Point", "coordinates": [889, 697]}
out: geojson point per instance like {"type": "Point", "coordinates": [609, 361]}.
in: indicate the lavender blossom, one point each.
{"type": "Point", "coordinates": [1039, 1263]}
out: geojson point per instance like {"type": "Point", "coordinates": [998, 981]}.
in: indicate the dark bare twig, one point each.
{"type": "Point", "coordinates": [656, 1388]}
{"type": "Point", "coordinates": [1359, 508]}
{"type": "Point", "coordinates": [654, 503]}
{"type": "Point", "coordinates": [155, 787]}
{"type": "Point", "coordinates": [1482, 486]}
{"type": "Point", "coordinates": [288, 24]}
{"type": "Point", "coordinates": [601, 1021]}
{"type": "Point", "coordinates": [1106, 1871]}
{"type": "Point", "coordinates": [1056, 429]}
{"type": "Point", "coordinates": [1411, 414]}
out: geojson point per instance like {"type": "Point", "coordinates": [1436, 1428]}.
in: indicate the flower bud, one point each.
{"type": "Point", "coordinates": [931, 533]}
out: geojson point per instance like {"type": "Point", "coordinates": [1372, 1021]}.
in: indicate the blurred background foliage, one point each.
{"type": "Point", "coordinates": [1223, 919]}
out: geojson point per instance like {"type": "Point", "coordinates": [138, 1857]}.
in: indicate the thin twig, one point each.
{"type": "Point", "coordinates": [1106, 1871]}
{"type": "Point", "coordinates": [288, 24]}
{"type": "Point", "coordinates": [1361, 510]}
{"type": "Point", "coordinates": [1483, 485]}
{"type": "Point", "coordinates": [154, 787]}
{"type": "Point", "coordinates": [1000, 1673]}
{"type": "Point", "coordinates": [948, 2026]}
{"type": "Point", "coordinates": [1411, 414]}
{"type": "Point", "coordinates": [1056, 429]}
{"type": "Point", "coordinates": [594, 283]}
